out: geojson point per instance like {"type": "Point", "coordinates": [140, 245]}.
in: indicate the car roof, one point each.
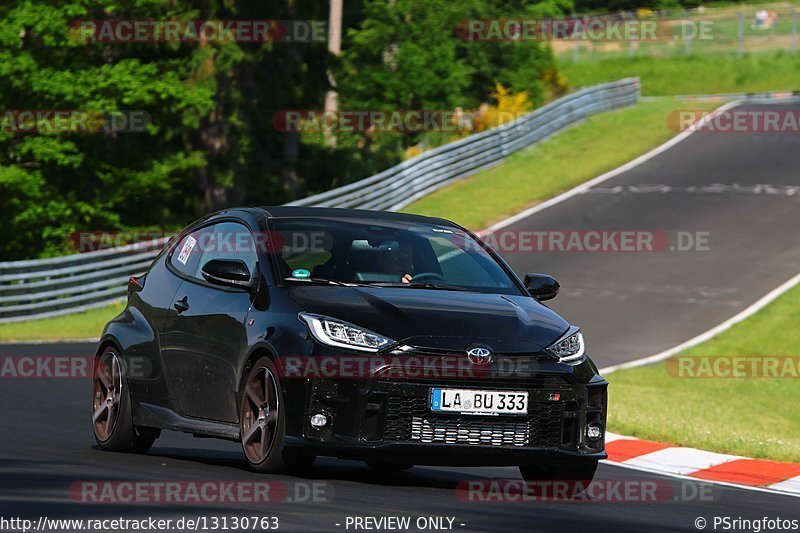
{"type": "Point", "coordinates": [288, 211]}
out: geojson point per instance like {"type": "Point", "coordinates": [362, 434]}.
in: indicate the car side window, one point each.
{"type": "Point", "coordinates": [187, 254]}
{"type": "Point", "coordinates": [229, 240]}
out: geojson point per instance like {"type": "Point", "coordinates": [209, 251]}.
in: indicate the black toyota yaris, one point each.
{"type": "Point", "coordinates": [392, 338]}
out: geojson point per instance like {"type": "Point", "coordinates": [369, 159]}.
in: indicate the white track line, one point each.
{"type": "Point", "coordinates": [680, 460]}
{"type": "Point", "coordinates": [792, 485]}
{"type": "Point", "coordinates": [745, 314]}
{"type": "Point", "coordinates": [49, 341]}
{"type": "Point", "coordinates": [612, 173]}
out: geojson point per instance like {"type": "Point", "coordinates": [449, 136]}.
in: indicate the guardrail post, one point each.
{"type": "Point", "coordinates": [688, 28]}
{"type": "Point", "coordinates": [631, 43]}
{"type": "Point", "coordinates": [740, 46]}
{"type": "Point", "coordinates": [501, 136]}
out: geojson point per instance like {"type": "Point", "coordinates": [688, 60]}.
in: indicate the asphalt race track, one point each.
{"type": "Point", "coordinates": [630, 305]}
{"type": "Point", "coordinates": [739, 192]}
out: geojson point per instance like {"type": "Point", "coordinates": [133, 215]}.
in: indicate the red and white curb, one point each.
{"type": "Point", "coordinates": [699, 464]}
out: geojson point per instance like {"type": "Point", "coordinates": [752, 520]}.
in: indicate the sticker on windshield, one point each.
{"type": "Point", "coordinates": [301, 273]}
{"type": "Point", "coordinates": [186, 250]}
{"type": "Point", "coordinates": [437, 230]}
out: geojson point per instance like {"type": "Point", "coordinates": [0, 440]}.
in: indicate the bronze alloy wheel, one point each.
{"type": "Point", "coordinates": [107, 395]}
{"type": "Point", "coordinates": [260, 412]}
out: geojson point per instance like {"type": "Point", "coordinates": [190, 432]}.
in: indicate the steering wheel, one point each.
{"type": "Point", "coordinates": [428, 276]}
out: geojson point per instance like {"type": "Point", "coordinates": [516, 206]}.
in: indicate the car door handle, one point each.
{"type": "Point", "coordinates": [181, 305]}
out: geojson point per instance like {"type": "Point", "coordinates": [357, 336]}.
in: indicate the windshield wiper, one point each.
{"type": "Point", "coordinates": [324, 281]}
{"type": "Point", "coordinates": [421, 285]}
{"type": "Point", "coordinates": [412, 285]}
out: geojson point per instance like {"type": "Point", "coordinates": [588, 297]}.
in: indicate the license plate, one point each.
{"type": "Point", "coordinates": [479, 402]}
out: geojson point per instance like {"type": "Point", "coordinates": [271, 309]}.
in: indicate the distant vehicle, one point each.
{"type": "Point", "coordinates": [392, 338]}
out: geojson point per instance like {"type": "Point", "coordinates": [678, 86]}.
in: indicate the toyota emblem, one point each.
{"type": "Point", "coordinates": [479, 355]}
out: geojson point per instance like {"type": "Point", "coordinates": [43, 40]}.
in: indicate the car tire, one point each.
{"type": "Point", "coordinates": [388, 466]}
{"type": "Point", "coordinates": [262, 423]}
{"type": "Point", "coordinates": [112, 422]}
{"type": "Point", "coordinates": [581, 471]}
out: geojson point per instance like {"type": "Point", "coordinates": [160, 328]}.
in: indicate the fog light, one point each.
{"type": "Point", "coordinates": [318, 421]}
{"type": "Point", "coordinates": [594, 432]}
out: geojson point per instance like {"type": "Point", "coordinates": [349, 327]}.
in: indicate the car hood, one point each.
{"type": "Point", "coordinates": [440, 319]}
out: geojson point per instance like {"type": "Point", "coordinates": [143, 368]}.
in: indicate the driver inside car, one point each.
{"type": "Point", "coordinates": [397, 262]}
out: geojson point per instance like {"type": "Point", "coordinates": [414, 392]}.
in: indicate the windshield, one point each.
{"type": "Point", "coordinates": [384, 253]}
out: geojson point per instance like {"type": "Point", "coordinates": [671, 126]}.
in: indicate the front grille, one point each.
{"type": "Point", "coordinates": [408, 419]}
{"type": "Point", "coordinates": [479, 432]}
{"type": "Point", "coordinates": [519, 370]}
{"type": "Point", "coordinates": [549, 382]}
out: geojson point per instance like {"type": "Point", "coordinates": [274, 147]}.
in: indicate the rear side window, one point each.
{"type": "Point", "coordinates": [187, 254]}
{"type": "Point", "coordinates": [229, 240]}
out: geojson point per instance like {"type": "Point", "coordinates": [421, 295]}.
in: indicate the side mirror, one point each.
{"type": "Point", "coordinates": [229, 272]}
{"type": "Point", "coordinates": [541, 286]}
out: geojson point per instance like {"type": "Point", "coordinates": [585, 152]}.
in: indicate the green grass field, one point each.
{"type": "Point", "coordinates": [551, 167]}
{"type": "Point", "coordinates": [707, 74]}
{"type": "Point", "coordinates": [86, 325]}
{"type": "Point", "coordinates": [753, 417]}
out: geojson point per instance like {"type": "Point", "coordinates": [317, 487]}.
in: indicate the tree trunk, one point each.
{"type": "Point", "coordinates": [335, 48]}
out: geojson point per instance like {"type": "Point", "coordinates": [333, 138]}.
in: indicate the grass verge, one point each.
{"type": "Point", "coordinates": [707, 74]}
{"type": "Point", "coordinates": [753, 417]}
{"type": "Point", "coordinates": [542, 171]}
{"type": "Point", "coordinates": [85, 325]}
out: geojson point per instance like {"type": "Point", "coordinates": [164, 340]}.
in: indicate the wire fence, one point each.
{"type": "Point", "coordinates": [734, 30]}
{"type": "Point", "coordinates": [50, 287]}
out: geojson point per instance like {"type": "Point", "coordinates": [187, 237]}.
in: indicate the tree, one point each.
{"type": "Point", "coordinates": [55, 182]}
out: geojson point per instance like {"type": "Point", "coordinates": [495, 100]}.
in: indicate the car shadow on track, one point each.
{"type": "Point", "coordinates": [330, 469]}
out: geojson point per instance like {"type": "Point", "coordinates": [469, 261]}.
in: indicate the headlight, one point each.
{"type": "Point", "coordinates": [334, 332]}
{"type": "Point", "coordinates": [571, 348]}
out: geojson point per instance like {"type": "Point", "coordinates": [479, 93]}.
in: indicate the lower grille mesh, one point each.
{"type": "Point", "coordinates": [409, 419]}
{"type": "Point", "coordinates": [470, 432]}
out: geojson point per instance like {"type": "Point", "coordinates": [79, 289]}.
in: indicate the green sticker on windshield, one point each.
{"type": "Point", "coordinates": [301, 273]}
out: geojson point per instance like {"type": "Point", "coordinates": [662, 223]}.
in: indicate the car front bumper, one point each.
{"type": "Point", "coordinates": [389, 418]}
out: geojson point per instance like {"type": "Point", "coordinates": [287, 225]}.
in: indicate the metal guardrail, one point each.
{"type": "Point", "coordinates": [44, 288]}
{"type": "Point", "coordinates": [419, 176]}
